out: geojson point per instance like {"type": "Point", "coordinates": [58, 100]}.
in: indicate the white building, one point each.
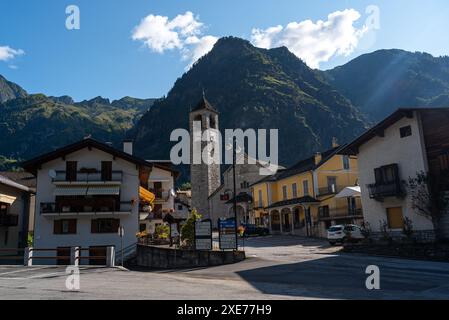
{"type": "Point", "coordinates": [406, 143]}
{"type": "Point", "coordinates": [15, 211]}
{"type": "Point", "coordinates": [85, 192]}
{"type": "Point", "coordinates": [161, 183]}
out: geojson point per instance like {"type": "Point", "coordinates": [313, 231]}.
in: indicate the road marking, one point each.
{"type": "Point", "coordinates": [22, 270]}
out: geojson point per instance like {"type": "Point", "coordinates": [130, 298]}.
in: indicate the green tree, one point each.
{"type": "Point", "coordinates": [188, 229]}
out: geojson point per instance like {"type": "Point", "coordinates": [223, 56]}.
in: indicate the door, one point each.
{"type": "Point", "coordinates": [158, 190]}
{"type": "Point", "coordinates": [71, 170]}
{"type": "Point", "coordinates": [98, 256]}
{"type": "Point", "coordinates": [63, 254]}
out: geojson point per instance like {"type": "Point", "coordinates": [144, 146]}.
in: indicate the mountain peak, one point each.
{"type": "Point", "coordinates": [9, 90]}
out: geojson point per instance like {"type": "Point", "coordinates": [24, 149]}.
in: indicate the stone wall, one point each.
{"type": "Point", "coordinates": [166, 258]}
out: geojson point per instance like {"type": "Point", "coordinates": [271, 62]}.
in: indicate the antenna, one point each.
{"type": "Point", "coordinates": [52, 174]}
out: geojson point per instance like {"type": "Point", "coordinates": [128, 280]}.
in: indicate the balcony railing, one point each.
{"type": "Point", "coordinates": [116, 176]}
{"type": "Point", "coordinates": [329, 190]}
{"type": "Point", "coordinates": [340, 213]}
{"type": "Point", "coordinates": [9, 220]}
{"type": "Point", "coordinates": [160, 194]}
{"type": "Point", "coordinates": [52, 208]}
{"type": "Point", "coordinates": [380, 191]}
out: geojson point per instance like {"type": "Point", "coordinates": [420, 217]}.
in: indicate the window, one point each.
{"type": "Point", "coordinates": [387, 174]}
{"type": "Point", "coordinates": [71, 169]}
{"type": "Point", "coordinates": [395, 218]}
{"type": "Point", "coordinates": [158, 189]}
{"type": "Point", "coordinates": [244, 185]}
{"type": "Point", "coordinates": [260, 199]}
{"type": "Point", "coordinates": [284, 192]}
{"type": "Point", "coordinates": [294, 190]}
{"type": "Point", "coordinates": [4, 208]}
{"type": "Point", "coordinates": [106, 170]}
{"type": "Point", "coordinates": [332, 184]}
{"type": "Point", "coordinates": [405, 131]}
{"type": "Point", "coordinates": [179, 206]}
{"type": "Point", "coordinates": [346, 162]}
{"type": "Point", "coordinates": [65, 226]}
{"type": "Point", "coordinates": [142, 227]}
{"type": "Point", "coordinates": [323, 212]}
{"type": "Point", "coordinates": [305, 185]}
{"type": "Point", "coordinates": [105, 225]}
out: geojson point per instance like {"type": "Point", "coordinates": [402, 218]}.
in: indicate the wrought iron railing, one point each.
{"type": "Point", "coordinates": [51, 207]}
{"type": "Point", "coordinates": [9, 220]}
{"type": "Point", "coordinates": [379, 191]}
{"type": "Point", "coordinates": [97, 176]}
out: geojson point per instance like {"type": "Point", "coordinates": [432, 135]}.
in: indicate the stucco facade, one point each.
{"type": "Point", "coordinates": [44, 236]}
{"type": "Point", "coordinates": [410, 156]}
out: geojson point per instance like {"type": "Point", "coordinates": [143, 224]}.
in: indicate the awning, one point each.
{"type": "Point", "coordinates": [70, 191]}
{"type": "Point", "coordinates": [349, 192]}
{"type": "Point", "coordinates": [146, 195]}
{"type": "Point", "coordinates": [7, 199]}
{"type": "Point", "coordinates": [103, 190]}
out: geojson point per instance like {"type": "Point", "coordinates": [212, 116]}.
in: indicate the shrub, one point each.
{"type": "Point", "coordinates": [162, 232]}
{"type": "Point", "coordinates": [188, 229]}
{"type": "Point", "coordinates": [407, 230]}
{"type": "Point", "coordinates": [366, 230]}
{"type": "Point", "coordinates": [385, 232]}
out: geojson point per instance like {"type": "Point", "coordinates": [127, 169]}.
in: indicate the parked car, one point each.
{"type": "Point", "coordinates": [253, 230]}
{"type": "Point", "coordinates": [344, 233]}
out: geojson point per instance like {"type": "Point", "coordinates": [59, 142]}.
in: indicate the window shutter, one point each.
{"type": "Point", "coordinates": [115, 225]}
{"type": "Point", "coordinates": [72, 226]}
{"type": "Point", "coordinates": [94, 226]}
{"type": "Point", "coordinates": [378, 175]}
{"type": "Point", "coordinates": [57, 227]}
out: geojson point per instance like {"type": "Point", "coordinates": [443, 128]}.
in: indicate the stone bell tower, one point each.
{"type": "Point", "coordinates": [205, 177]}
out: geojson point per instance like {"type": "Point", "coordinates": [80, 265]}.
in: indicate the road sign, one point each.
{"type": "Point", "coordinates": [203, 235]}
{"type": "Point", "coordinates": [227, 236]}
{"type": "Point", "coordinates": [174, 230]}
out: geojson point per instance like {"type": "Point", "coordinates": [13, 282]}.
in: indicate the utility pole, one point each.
{"type": "Point", "coordinates": [234, 156]}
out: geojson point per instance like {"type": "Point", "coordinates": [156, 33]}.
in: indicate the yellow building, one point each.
{"type": "Point", "coordinates": [302, 199]}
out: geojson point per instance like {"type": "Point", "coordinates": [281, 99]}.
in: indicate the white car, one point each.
{"type": "Point", "coordinates": [342, 233]}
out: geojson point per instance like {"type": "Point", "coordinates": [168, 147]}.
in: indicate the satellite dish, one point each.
{"type": "Point", "coordinates": [172, 192]}
{"type": "Point", "coordinates": [52, 173]}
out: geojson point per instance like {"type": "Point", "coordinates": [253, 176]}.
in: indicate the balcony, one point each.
{"type": "Point", "coordinates": [9, 220]}
{"type": "Point", "coordinates": [380, 191]}
{"type": "Point", "coordinates": [329, 190]}
{"type": "Point", "coordinates": [88, 177]}
{"type": "Point", "coordinates": [339, 214]}
{"type": "Point", "coordinates": [51, 209]}
{"type": "Point", "coordinates": [161, 195]}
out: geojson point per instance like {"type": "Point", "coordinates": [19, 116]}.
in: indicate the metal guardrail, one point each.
{"type": "Point", "coordinates": [76, 258]}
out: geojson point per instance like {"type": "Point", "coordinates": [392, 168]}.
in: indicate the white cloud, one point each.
{"type": "Point", "coordinates": [183, 33]}
{"type": "Point", "coordinates": [197, 47]}
{"type": "Point", "coordinates": [8, 53]}
{"type": "Point", "coordinates": [314, 42]}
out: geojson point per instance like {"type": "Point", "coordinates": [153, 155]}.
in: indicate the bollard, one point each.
{"type": "Point", "coordinates": [28, 257]}
{"type": "Point", "coordinates": [75, 256]}
{"type": "Point", "coordinates": [110, 257]}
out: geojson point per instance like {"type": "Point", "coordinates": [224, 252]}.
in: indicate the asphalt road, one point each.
{"type": "Point", "coordinates": [276, 268]}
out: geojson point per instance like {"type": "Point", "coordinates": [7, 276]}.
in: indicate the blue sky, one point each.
{"type": "Point", "coordinates": [103, 59]}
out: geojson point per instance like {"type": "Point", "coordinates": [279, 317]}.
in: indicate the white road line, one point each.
{"type": "Point", "coordinates": [23, 270]}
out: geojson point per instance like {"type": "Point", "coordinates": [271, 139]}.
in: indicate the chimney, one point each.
{"type": "Point", "coordinates": [318, 158]}
{"type": "Point", "coordinates": [335, 143]}
{"type": "Point", "coordinates": [128, 146]}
